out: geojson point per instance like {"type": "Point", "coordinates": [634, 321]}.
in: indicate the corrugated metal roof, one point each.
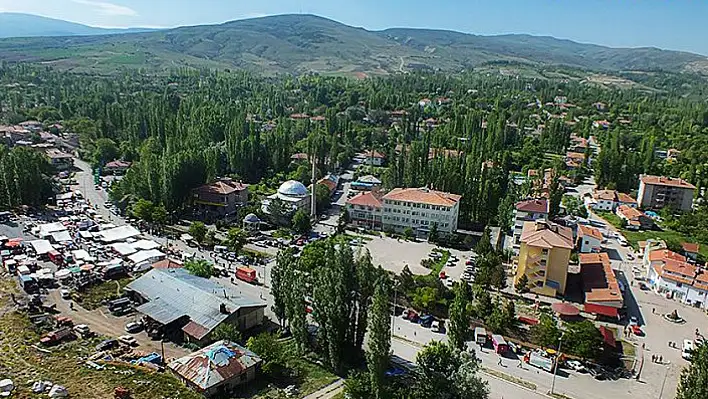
{"type": "Point", "coordinates": [160, 311]}
{"type": "Point", "coordinates": [184, 294]}
{"type": "Point", "coordinates": [218, 362]}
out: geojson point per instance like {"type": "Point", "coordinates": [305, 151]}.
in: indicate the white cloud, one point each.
{"type": "Point", "coordinates": [111, 9]}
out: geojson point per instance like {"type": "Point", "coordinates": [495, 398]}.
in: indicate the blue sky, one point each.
{"type": "Point", "coordinates": [670, 24]}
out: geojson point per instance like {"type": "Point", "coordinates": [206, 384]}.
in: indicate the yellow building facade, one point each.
{"type": "Point", "coordinates": [544, 256]}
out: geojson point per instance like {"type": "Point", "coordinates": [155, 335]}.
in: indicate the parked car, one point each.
{"type": "Point", "coordinates": [636, 330]}
{"type": "Point", "coordinates": [134, 327]}
{"type": "Point", "coordinates": [633, 321]}
{"type": "Point", "coordinates": [576, 365]}
{"type": "Point", "coordinates": [128, 340]}
{"type": "Point", "coordinates": [65, 294]}
{"type": "Point", "coordinates": [83, 330]}
{"type": "Point", "coordinates": [630, 256]}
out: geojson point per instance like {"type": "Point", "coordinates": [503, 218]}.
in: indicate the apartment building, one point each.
{"type": "Point", "coordinates": [366, 210]}
{"type": "Point", "coordinates": [656, 192]}
{"type": "Point", "coordinates": [219, 198]}
{"type": "Point", "coordinates": [527, 211]}
{"type": "Point", "coordinates": [420, 209]}
{"type": "Point", "coordinates": [679, 280]}
{"type": "Point", "coordinates": [544, 257]}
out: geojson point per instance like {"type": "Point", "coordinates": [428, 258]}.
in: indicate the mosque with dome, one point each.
{"type": "Point", "coordinates": [293, 194]}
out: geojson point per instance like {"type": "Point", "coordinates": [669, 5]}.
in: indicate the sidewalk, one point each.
{"type": "Point", "coordinates": [329, 391]}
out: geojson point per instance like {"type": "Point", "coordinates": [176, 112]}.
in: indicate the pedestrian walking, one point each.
{"type": "Point", "coordinates": [653, 358]}
{"type": "Point", "coordinates": [500, 361]}
{"type": "Point", "coordinates": [653, 310]}
{"type": "Point", "coordinates": [661, 359]}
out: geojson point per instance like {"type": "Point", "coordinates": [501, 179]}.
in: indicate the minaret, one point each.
{"type": "Point", "coordinates": [313, 202]}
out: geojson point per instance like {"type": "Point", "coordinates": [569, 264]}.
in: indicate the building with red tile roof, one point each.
{"type": "Point", "coordinates": [526, 211]}
{"type": "Point", "coordinates": [603, 295]}
{"type": "Point", "coordinates": [656, 192]}
{"type": "Point", "coordinates": [544, 257]}
{"type": "Point", "coordinates": [635, 218]}
{"type": "Point", "coordinates": [219, 198]}
{"type": "Point", "coordinates": [589, 239]}
{"type": "Point", "coordinates": [420, 209]}
{"type": "Point", "coordinates": [366, 210]}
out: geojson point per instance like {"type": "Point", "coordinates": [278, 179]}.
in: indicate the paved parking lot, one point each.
{"type": "Point", "coordinates": [393, 255]}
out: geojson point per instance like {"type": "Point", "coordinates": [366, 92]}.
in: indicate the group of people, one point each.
{"type": "Point", "coordinates": [657, 359]}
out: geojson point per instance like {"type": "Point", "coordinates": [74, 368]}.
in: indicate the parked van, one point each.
{"type": "Point", "coordinates": [687, 349]}
{"type": "Point", "coordinates": [480, 336]}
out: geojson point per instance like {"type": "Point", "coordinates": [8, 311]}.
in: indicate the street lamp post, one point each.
{"type": "Point", "coordinates": [555, 365]}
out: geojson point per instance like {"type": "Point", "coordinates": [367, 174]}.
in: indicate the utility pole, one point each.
{"type": "Point", "coordinates": [661, 393]}
{"type": "Point", "coordinates": [313, 199]}
{"type": "Point", "coordinates": [555, 365]}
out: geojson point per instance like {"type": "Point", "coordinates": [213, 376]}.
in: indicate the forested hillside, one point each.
{"type": "Point", "coordinates": [297, 44]}
{"type": "Point", "coordinates": [473, 135]}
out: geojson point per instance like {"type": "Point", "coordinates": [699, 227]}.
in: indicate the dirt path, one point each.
{"type": "Point", "coordinates": [329, 391]}
{"type": "Point", "coordinates": [106, 324]}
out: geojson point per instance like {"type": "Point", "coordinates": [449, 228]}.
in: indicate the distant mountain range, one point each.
{"type": "Point", "coordinates": [28, 25]}
{"type": "Point", "coordinates": [307, 43]}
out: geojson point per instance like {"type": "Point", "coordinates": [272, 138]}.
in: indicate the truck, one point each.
{"type": "Point", "coordinates": [499, 344]}
{"type": "Point", "coordinates": [29, 284]}
{"type": "Point", "coordinates": [246, 274]}
{"type": "Point", "coordinates": [56, 336]}
{"type": "Point", "coordinates": [117, 306]}
{"type": "Point", "coordinates": [480, 336]}
{"type": "Point", "coordinates": [538, 359]}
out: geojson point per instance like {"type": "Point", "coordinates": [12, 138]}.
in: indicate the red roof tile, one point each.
{"type": "Point", "coordinates": [423, 196]}
{"type": "Point", "coordinates": [667, 181]}
{"type": "Point", "coordinates": [533, 205]}
{"type": "Point", "coordinates": [691, 247]}
{"type": "Point", "coordinates": [366, 199]}
{"type": "Point", "coordinates": [599, 281]}
{"type": "Point", "coordinates": [589, 231]}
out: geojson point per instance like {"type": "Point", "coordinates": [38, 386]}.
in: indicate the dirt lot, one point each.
{"type": "Point", "coordinates": [23, 363]}
{"type": "Point", "coordinates": [104, 323]}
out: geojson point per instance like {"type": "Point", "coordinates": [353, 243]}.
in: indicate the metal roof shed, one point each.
{"type": "Point", "coordinates": [42, 247]}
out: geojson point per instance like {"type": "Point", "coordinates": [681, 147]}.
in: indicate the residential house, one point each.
{"type": "Point", "coordinates": [575, 157]}
{"type": "Point", "coordinates": [220, 198]}
{"type": "Point", "coordinates": [656, 192]}
{"type": "Point", "coordinates": [527, 211]}
{"type": "Point", "coordinates": [691, 250]}
{"type": "Point", "coordinates": [425, 102]}
{"type": "Point", "coordinates": [601, 124]}
{"type": "Point", "coordinates": [366, 210]}
{"type": "Point", "coordinates": [374, 158]}
{"type": "Point", "coordinates": [589, 239]}
{"type": "Point", "coordinates": [681, 281]}
{"type": "Point", "coordinates": [578, 144]}
{"type": "Point", "coordinates": [672, 154]}
{"type": "Point", "coordinates": [116, 168]}
{"type": "Point", "coordinates": [32, 126]}
{"type": "Point", "coordinates": [420, 209]}
{"type": "Point", "coordinates": [366, 183]}
{"type": "Point", "coordinates": [609, 200]}
{"type": "Point", "coordinates": [331, 182]}
{"type": "Point", "coordinates": [60, 160]}
{"type": "Point", "coordinates": [603, 295]}
{"type": "Point", "coordinates": [544, 257]}
{"type": "Point", "coordinates": [217, 369]}
{"type": "Point", "coordinates": [190, 308]}
{"type": "Point", "coordinates": [636, 219]}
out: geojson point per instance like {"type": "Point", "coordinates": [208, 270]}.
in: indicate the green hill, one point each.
{"type": "Point", "coordinates": [14, 24]}
{"type": "Point", "coordinates": [304, 43]}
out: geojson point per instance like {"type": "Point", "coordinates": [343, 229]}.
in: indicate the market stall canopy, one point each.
{"type": "Point", "coordinates": [85, 234]}
{"type": "Point", "coordinates": [61, 236]}
{"type": "Point", "coordinates": [121, 233]}
{"type": "Point", "coordinates": [42, 247]}
{"type": "Point", "coordinates": [143, 256]}
{"type": "Point", "coordinates": [145, 244]}
{"type": "Point", "coordinates": [186, 237]}
{"type": "Point", "coordinates": [81, 254]}
{"type": "Point", "coordinates": [62, 274]}
{"type": "Point", "coordinates": [565, 309]}
{"type": "Point", "coordinates": [123, 249]}
{"type": "Point", "coordinates": [49, 228]}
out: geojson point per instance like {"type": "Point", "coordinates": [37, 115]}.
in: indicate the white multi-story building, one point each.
{"type": "Point", "coordinates": [528, 211]}
{"type": "Point", "coordinates": [420, 209]}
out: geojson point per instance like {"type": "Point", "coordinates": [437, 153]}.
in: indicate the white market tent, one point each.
{"type": "Point", "coordinates": [61, 236]}
{"type": "Point", "coordinates": [119, 233]}
{"type": "Point", "coordinates": [49, 228]}
{"type": "Point", "coordinates": [145, 244]}
{"type": "Point", "coordinates": [123, 249]}
{"type": "Point", "coordinates": [85, 234]}
{"type": "Point", "coordinates": [143, 256]}
{"type": "Point", "coordinates": [186, 237]}
{"type": "Point", "coordinates": [42, 247]}
{"type": "Point", "coordinates": [81, 254]}
{"type": "Point", "coordinates": [62, 274]}
{"type": "Point", "coordinates": [65, 196]}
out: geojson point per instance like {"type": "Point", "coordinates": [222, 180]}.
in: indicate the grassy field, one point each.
{"type": "Point", "coordinates": [635, 236]}
{"type": "Point", "coordinates": [23, 363]}
{"type": "Point", "coordinates": [93, 296]}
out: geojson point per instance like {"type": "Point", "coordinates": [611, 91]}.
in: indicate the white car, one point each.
{"type": "Point", "coordinates": [128, 340]}
{"type": "Point", "coordinates": [576, 365]}
{"type": "Point", "coordinates": [630, 256]}
{"type": "Point", "coordinates": [65, 294]}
